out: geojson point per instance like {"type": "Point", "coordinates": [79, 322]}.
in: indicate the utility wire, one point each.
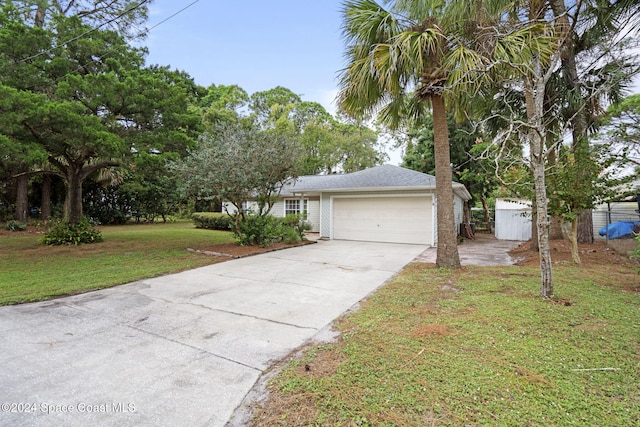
{"type": "Point", "coordinates": [107, 23]}
{"type": "Point", "coordinates": [175, 14]}
{"type": "Point", "coordinates": [86, 33]}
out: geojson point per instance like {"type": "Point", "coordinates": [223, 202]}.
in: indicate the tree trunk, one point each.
{"type": "Point", "coordinates": [45, 206]}
{"type": "Point", "coordinates": [22, 198]}
{"type": "Point", "coordinates": [38, 20]}
{"type": "Point", "coordinates": [73, 202]}
{"type": "Point", "coordinates": [585, 227]}
{"type": "Point", "coordinates": [534, 94]}
{"type": "Point", "coordinates": [466, 212]}
{"type": "Point", "coordinates": [578, 112]}
{"type": "Point", "coordinates": [535, 246]}
{"type": "Point", "coordinates": [555, 230]}
{"type": "Point", "coordinates": [542, 220]}
{"type": "Point", "coordinates": [487, 215]}
{"type": "Point", "coordinates": [447, 250]}
{"type": "Point", "coordinates": [575, 252]}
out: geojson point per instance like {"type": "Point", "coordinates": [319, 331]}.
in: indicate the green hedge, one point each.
{"type": "Point", "coordinates": [212, 220]}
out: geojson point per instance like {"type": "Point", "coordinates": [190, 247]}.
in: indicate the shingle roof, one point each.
{"type": "Point", "coordinates": [383, 176]}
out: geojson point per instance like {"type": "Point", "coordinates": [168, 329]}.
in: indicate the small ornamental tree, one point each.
{"type": "Point", "coordinates": [237, 163]}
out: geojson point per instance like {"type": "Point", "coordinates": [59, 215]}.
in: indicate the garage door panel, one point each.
{"type": "Point", "coordinates": [383, 219]}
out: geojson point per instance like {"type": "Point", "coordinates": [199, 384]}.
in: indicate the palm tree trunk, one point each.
{"type": "Point", "coordinates": [579, 112]}
{"type": "Point", "coordinates": [585, 226]}
{"type": "Point", "coordinates": [447, 251]}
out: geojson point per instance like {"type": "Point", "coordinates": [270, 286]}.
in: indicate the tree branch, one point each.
{"type": "Point", "coordinates": [102, 165]}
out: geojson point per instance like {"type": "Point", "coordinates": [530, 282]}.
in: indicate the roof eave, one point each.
{"type": "Point", "coordinates": [366, 189]}
{"type": "Point", "coordinates": [462, 191]}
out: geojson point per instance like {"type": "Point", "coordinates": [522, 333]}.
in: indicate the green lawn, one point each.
{"type": "Point", "coordinates": [476, 347]}
{"type": "Point", "coordinates": [30, 271]}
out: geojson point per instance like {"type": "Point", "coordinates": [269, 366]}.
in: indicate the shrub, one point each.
{"type": "Point", "coordinates": [267, 229]}
{"type": "Point", "coordinates": [299, 224]}
{"type": "Point", "coordinates": [290, 235]}
{"type": "Point", "coordinates": [260, 230]}
{"type": "Point", "coordinates": [106, 205]}
{"type": "Point", "coordinates": [212, 220]}
{"type": "Point", "coordinates": [14, 225]}
{"type": "Point", "coordinates": [65, 233]}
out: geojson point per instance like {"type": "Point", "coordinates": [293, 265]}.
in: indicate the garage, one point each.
{"type": "Point", "coordinates": [389, 219]}
{"type": "Point", "coordinates": [385, 203]}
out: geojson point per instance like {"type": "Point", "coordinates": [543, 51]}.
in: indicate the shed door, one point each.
{"type": "Point", "coordinates": [383, 219]}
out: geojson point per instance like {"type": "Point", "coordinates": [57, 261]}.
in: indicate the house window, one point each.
{"type": "Point", "coordinates": [292, 206]}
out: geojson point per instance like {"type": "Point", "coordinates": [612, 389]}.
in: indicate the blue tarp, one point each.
{"type": "Point", "coordinates": [620, 229]}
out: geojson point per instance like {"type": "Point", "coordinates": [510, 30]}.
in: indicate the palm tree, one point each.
{"type": "Point", "coordinates": [421, 53]}
{"type": "Point", "coordinates": [590, 29]}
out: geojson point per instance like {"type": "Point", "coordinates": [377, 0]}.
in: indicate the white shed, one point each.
{"type": "Point", "coordinates": [513, 219]}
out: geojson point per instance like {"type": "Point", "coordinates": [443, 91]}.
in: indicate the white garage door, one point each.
{"type": "Point", "coordinates": [383, 219]}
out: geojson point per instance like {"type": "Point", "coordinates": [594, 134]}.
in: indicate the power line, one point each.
{"type": "Point", "coordinates": [107, 23]}
{"type": "Point", "coordinates": [86, 33]}
{"type": "Point", "coordinates": [175, 14]}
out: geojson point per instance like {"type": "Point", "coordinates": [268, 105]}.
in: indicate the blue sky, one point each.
{"type": "Point", "coordinates": [255, 44]}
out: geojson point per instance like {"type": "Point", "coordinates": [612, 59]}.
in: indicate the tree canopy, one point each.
{"type": "Point", "coordinates": [88, 104]}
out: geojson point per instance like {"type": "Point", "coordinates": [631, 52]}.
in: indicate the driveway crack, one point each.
{"type": "Point", "coordinates": [193, 347]}
{"type": "Point", "coordinates": [253, 317]}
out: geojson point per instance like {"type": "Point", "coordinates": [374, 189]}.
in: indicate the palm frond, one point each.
{"type": "Point", "coordinates": [469, 70]}
{"type": "Point", "coordinates": [366, 23]}
{"type": "Point", "coordinates": [521, 45]}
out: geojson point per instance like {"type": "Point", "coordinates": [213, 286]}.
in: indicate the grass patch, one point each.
{"type": "Point", "coordinates": [30, 271]}
{"type": "Point", "coordinates": [473, 347]}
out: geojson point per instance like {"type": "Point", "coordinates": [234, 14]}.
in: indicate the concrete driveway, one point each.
{"type": "Point", "coordinates": [484, 251]}
{"type": "Point", "coordinates": [182, 349]}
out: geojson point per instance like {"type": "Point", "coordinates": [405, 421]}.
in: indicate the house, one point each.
{"type": "Point", "coordinates": [382, 204]}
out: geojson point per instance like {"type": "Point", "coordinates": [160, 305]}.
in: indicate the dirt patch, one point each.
{"type": "Point", "coordinates": [623, 246]}
{"type": "Point", "coordinates": [432, 330]}
{"type": "Point", "coordinates": [607, 267]}
{"type": "Point", "coordinates": [232, 250]}
{"type": "Point", "coordinates": [593, 254]}
{"type": "Point", "coordinates": [31, 230]}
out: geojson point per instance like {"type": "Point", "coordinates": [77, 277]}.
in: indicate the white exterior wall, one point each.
{"type": "Point", "coordinates": [620, 211]}
{"type": "Point", "coordinates": [458, 210]}
{"type": "Point", "coordinates": [313, 215]}
{"type": "Point", "coordinates": [325, 215]}
{"type": "Point", "coordinates": [231, 209]}
{"type": "Point", "coordinates": [513, 219]}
